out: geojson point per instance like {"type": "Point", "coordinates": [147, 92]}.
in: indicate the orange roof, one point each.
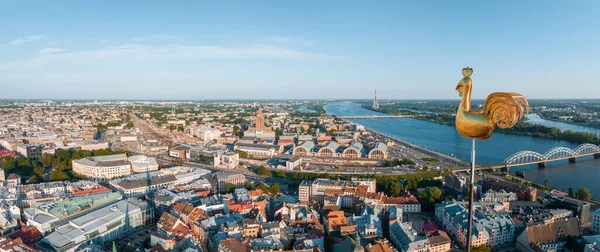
{"type": "Point", "coordinates": [255, 193]}
{"type": "Point", "coordinates": [334, 192]}
{"type": "Point", "coordinates": [348, 228]}
{"type": "Point", "coordinates": [380, 247]}
{"type": "Point", "coordinates": [203, 193]}
{"type": "Point", "coordinates": [180, 231]}
{"type": "Point", "coordinates": [362, 190]}
{"type": "Point", "coordinates": [336, 219]}
{"type": "Point", "coordinates": [183, 208]}
{"type": "Point", "coordinates": [197, 215]}
{"type": "Point", "coordinates": [235, 208]}
{"type": "Point", "coordinates": [261, 204]}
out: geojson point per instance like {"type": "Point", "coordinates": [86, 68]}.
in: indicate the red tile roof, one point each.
{"type": "Point", "coordinates": [28, 234]}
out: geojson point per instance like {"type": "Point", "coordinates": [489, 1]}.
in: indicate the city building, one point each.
{"type": "Point", "coordinates": [455, 182]}
{"type": "Point", "coordinates": [142, 163]}
{"type": "Point", "coordinates": [216, 158]}
{"type": "Point", "coordinates": [355, 150]}
{"type": "Point", "coordinates": [48, 216]}
{"type": "Point", "coordinates": [103, 167]}
{"type": "Point", "coordinates": [548, 237]}
{"type": "Point", "coordinates": [490, 228]}
{"type": "Point", "coordinates": [205, 134]}
{"type": "Point", "coordinates": [142, 183]}
{"type": "Point", "coordinates": [498, 196]}
{"type": "Point", "coordinates": [596, 222]}
{"type": "Point", "coordinates": [293, 163]}
{"type": "Point", "coordinates": [226, 159]}
{"type": "Point", "coordinates": [257, 150]}
{"type": "Point", "coordinates": [523, 192]}
{"type": "Point", "coordinates": [371, 183]}
{"type": "Point", "coordinates": [580, 208]}
{"type": "Point", "coordinates": [101, 226]}
{"type": "Point", "coordinates": [405, 238]}
{"type": "Point", "coordinates": [13, 179]}
{"type": "Point", "coordinates": [31, 151]}
{"type": "Point", "coordinates": [378, 151]}
{"type": "Point", "coordinates": [220, 179]}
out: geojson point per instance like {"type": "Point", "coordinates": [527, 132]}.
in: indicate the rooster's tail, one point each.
{"type": "Point", "coordinates": [505, 109]}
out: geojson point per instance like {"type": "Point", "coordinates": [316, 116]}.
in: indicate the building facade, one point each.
{"type": "Point", "coordinates": [103, 167]}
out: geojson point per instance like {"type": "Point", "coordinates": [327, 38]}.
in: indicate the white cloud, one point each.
{"type": "Point", "coordinates": [26, 39]}
{"type": "Point", "coordinates": [295, 40]}
{"type": "Point", "coordinates": [52, 50]}
{"type": "Point", "coordinates": [157, 37]}
{"type": "Point", "coordinates": [131, 53]}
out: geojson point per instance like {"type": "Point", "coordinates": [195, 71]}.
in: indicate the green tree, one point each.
{"type": "Point", "coordinates": [481, 248]}
{"type": "Point", "coordinates": [57, 175]}
{"type": "Point", "coordinates": [129, 125]}
{"type": "Point", "coordinates": [262, 187]}
{"type": "Point", "coordinates": [249, 186]}
{"type": "Point", "coordinates": [47, 160]}
{"type": "Point", "coordinates": [429, 197]}
{"type": "Point", "coordinates": [396, 189]}
{"type": "Point", "coordinates": [411, 184]}
{"type": "Point", "coordinates": [546, 183]}
{"type": "Point", "coordinates": [179, 162]}
{"type": "Point", "coordinates": [584, 194]}
{"type": "Point", "coordinates": [281, 174]}
{"type": "Point", "coordinates": [274, 189]}
{"type": "Point", "coordinates": [229, 188]}
{"type": "Point", "coordinates": [33, 180]}
{"type": "Point", "coordinates": [262, 171]}
{"type": "Point", "coordinates": [39, 171]}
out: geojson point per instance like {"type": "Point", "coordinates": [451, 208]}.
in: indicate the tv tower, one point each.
{"type": "Point", "coordinates": [375, 104]}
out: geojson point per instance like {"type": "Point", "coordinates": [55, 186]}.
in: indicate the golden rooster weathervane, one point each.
{"type": "Point", "coordinates": [501, 109]}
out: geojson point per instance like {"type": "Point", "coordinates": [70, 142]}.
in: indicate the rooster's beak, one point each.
{"type": "Point", "coordinates": [459, 85]}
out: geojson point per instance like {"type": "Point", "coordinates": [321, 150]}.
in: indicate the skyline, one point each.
{"type": "Point", "coordinates": [268, 51]}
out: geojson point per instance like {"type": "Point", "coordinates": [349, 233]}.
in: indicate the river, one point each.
{"type": "Point", "coordinates": [445, 139]}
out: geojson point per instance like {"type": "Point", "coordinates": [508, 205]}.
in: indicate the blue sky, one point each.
{"type": "Point", "coordinates": [297, 49]}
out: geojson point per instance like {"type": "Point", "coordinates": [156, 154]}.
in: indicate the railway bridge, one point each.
{"type": "Point", "coordinates": [528, 157]}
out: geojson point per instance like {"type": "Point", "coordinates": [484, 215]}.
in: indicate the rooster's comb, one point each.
{"type": "Point", "coordinates": [467, 71]}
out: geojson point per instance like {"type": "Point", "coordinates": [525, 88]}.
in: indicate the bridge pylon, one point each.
{"type": "Point", "coordinates": [505, 169]}
{"type": "Point", "coordinates": [542, 165]}
{"type": "Point", "coordinates": [597, 155]}
{"type": "Point", "coordinates": [572, 160]}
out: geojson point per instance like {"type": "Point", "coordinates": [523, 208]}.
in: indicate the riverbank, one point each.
{"type": "Point", "coordinates": [440, 156]}
{"type": "Point", "coordinates": [567, 122]}
{"type": "Point", "coordinates": [520, 129]}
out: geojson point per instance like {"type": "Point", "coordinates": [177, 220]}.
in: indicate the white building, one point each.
{"type": "Point", "coordinates": [370, 182]}
{"type": "Point", "coordinates": [293, 163]}
{"type": "Point", "coordinates": [101, 226]}
{"type": "Point", "coordinates": [490, 228]}
{"type": "Point", "coordinates": [206, 134]}
{"type": "Point", "coordinates": [142, 163]}
{"type": "Point", "coordinates": [45, 215]}
{"type": "Point", "coordinates": [257, 150]}
{"type": "Point", "coordinates": [228, 160]}
{"type": "Point", "coordinates": [498, 196]}
{"type": "Point", "coordinates": [405, 238]}
{"type": "Point", "coordinates": [141, 183]}
{"type": "Point", "coordinates": [104, 167]}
